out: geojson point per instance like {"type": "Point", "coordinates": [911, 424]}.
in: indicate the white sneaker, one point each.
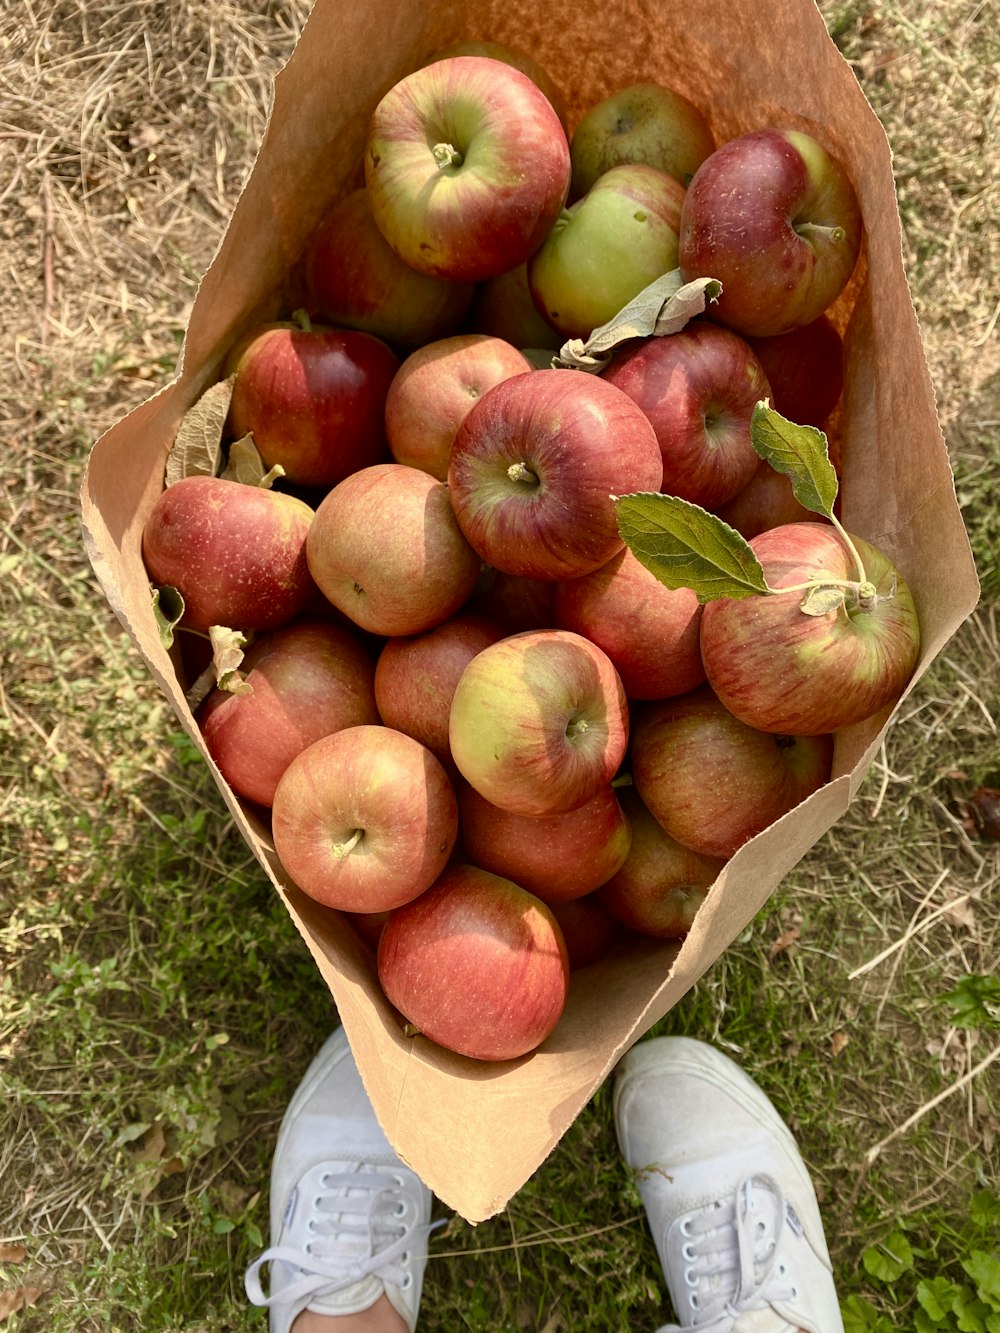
{"type": "Point", "coordinates": [348, 1220]}
{"type": "Point", "coordinates": [730, 1204]}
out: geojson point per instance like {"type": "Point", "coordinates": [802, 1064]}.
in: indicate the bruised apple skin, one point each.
{"type": "Point", "coordinates": [235, 553]}
{"type": "Point", "coordinates": [781, 670]}
{"type": "Point", "coordinates": [476, 964]}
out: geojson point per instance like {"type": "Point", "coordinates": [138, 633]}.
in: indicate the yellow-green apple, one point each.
{"type": "Point", "coordinates": [588, 928]}
{"type": "Point", "coordinates": [314, 400]}
{"type": "Point", "coordinates": [513, 602]}
{"type": "Point", "coordinates": [645, 122]}
{"type": "Point", "coordinates": [535, 464]}
{"type": "Point", "coordinates": [235, 553]}
{"type": "Point", "coordinates": [385, 549]}
{"type": "Point", "coordinates": [775, 219]}
{"type": "Point", "coordinates": [509, 55]}
{"type": "Point", "coordinates": [604, 249]}
{"type": "Point", "coordinates": [539, 722]}
{"type": "Point", "coordinates": [557, 857]}
{"type": "Point", "coordinates": [781, 669]}
{"type": "Point", "coordinates": [505, 308]}
{"type": "Point", "coordinates": [434, 390]}
{"type": "Point", "coordinates": [698, 388]}
{"type": "Point", "coordinates": [364, 819]}
{"type": "Point", "coordinates": [805, 369]}
{"type": "Point", "coordinates": [661, 884]}
{"type": "Point", "coordinates": [649, 631]}
{"type": "Point", "coordinates": [713, 782]}
{"type": "Point", "coordinates": [356, 280]}
{"type": "Point", "coordinates": [766, 501]}
{"type": "Point", "coordinates": [467, 168]}
{"type": "Point", "coordinates": [306, 680]}
{"type": "Point", "coordinates": [476, 964]}
{"type": "Point", "coordinates": [416, 676]}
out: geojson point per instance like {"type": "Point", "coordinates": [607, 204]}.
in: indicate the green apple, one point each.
{"type": "Point", "coordinates": [604, 249]}
{"type": "Point", "coordinates": [645, 122]}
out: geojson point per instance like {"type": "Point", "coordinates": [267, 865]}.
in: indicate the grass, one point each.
{"type": "Point", "coordinates": [157, 1006]}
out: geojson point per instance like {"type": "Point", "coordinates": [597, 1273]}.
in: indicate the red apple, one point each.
{"type": "Point", "coordinates": [435, 389]}
{"type": "Point", "coordinates": [235, 553]}
{"type": "Point", "coordinates": [476, 964]}
{"type": "Point", "coordinates": [314, 400]}
{"type": "Point", "coordinates": [535, 464]}
{"type": "Point", "coordinates": [649, 631]}
{"type": "Point", "coordinates": [415, 678]}
{"type": "Point", "coordinates": [514, 603]}
{"type": "Point", "coordinates": [504, 308]}
{"type": "Point", "coordinates": [588, 928]}
{"type": "Point", "coordinates": [781, 670]}
{"type": "Point", "coordinates": [766, 501]}
{"type": "Point", "coordinates": [645, 122]}
{"type": "Point", "coordinates": [509, 55]}
{"type": "Point", "coordinates": [775, 218]}
{"type": "Point", "coordinates": [386, 550]}
{"type": "Point", "coordinates": [713, 782]}
{"type": "Point", "coordinates": [364, 819]}
{"type": "Point", "coordinates": [357, 280]}
{"type": "Point", "coordinates": [467, 168]}
{"type": "Point", "coordinates": [805, 369]}
{"type": "Point", "coordinates": [661, 884]}
{"type": "Point", "coordinates": [369, 926]}
{"type": "Point", "coordinates": [604, 249]}
{"type": "Point", "coordinates": [306, 680]}
{"type": "Point", "coordinates": [698, 388]}
{"type": "Point", "coordinates": [556, 857]}
{"type": "Point", "coordinates": [539, 722]}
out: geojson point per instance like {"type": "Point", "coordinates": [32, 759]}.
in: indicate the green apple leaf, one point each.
{"type": "Point", "coordinates": [801, 453]}
{"type": "Point", "coordinates": [663, 307]}
{"type": "Point", "coordinates": [246, 466]}
{"type": "Point", "coordinates": [197, 447]}
{"type": "Point", "coordinates": [168, 608]}
{"type": "Point", "coordinates": [227, 657]}
{"type": "Point", "coordinates": [687, 547]}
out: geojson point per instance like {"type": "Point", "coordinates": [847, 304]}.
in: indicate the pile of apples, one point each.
{"type": "Point", "coordinates": [484, 725]}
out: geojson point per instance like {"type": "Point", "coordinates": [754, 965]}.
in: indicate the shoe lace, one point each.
{"type": "Point", "coordinates": [357, 1227]}
{"type": "Point", "coordinates": [732, 1267]}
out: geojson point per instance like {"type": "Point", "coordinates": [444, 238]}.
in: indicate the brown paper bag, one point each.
{"type": "Point", "coordinates": [475, 1132]}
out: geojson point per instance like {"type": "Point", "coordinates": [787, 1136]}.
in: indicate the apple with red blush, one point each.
{"type": "Point", "coordinates": [650, 632]}
{"type": "Point", "coordinates": [435, 389]}
{"type": "Point", "coordinates": [766, 501]}
{"type": "Point", "coordinates": [302, 681]}
{"type": "Point", "coordinates": [416, 678]}
{"type": "Point", "coordinates": [539, 722]}
{"type": "Point", "coordinates": [235, 553]}
{"type": "Point", "coordinates": [805, 369]}
{"type": "Point", "coordinates": [535, 465]}
{"type": "Point", "coordinates": [589, 929]}
{"type": "Point", "coordinates": [509, 55]}
{"type": "Point", "coordinates": [504, 308]}
{"type": "Point", "coordinates": [467, 168]}
{"type": "Point", "coordinates": [774, 217]}
{"type": "Point", "coordinates": [698, 387]}
{"type": "Point", "coordinates": [476, 964]}
{"type": "Point", "coordinates": [313, 399]}
{"type": "Point", "coordinates": [364, 819]}
{"type": "Point", "coordinates": [513, 602]}
{"type": "Point", "coordinates": [386, 550]}
{"type": "Point", "coordinates": [661, 884]}
{"type": "Point", "coordinates": [356, 280]}
{"type": "Point", "coordinates": [558, 857]}
{"type": "Point", "coordinates": [712, 781]}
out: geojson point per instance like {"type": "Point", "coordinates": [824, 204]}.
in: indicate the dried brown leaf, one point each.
{"type": "Point", "coordinates": [18, 1298]}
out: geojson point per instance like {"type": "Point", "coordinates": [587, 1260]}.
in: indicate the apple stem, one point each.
{"type": "Point", "coordinates": [342, 849]}
{"type": "Point", "coordinates": [519, 472]}
{"type": "Point", "coordinates": [446, 155]}
{"type": "Point", "coordinates": [817, 231]}
{"type": "Point", "coordinates": [845, 536]}
{"type": "Point", "coordinates": [301, 318]}
{"type": "Point", "coordinates": [579, 726]}
{"type": "Point", "coordinates": [622, 780]}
